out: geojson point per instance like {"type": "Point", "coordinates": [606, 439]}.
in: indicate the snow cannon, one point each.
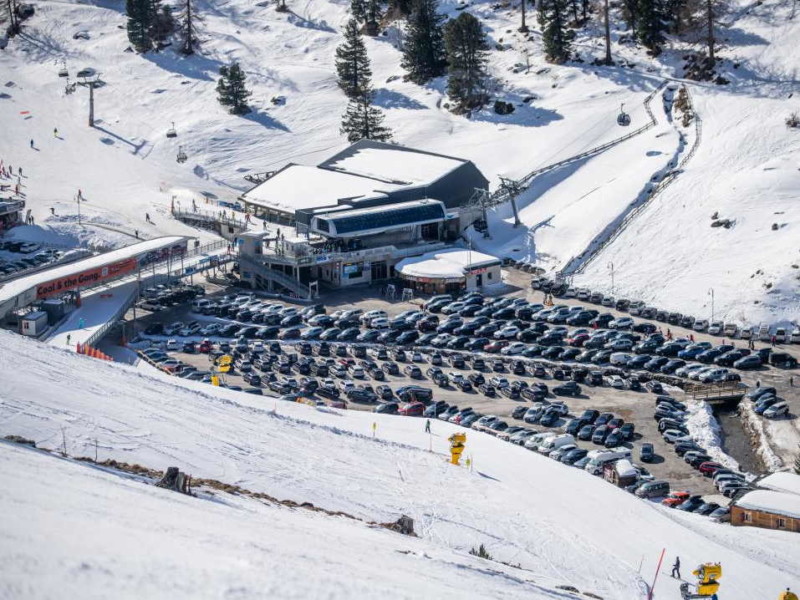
{"type": "Point", "coordinates": [708, 575]}
{"type": "Point", "coordinates": [457, 441]}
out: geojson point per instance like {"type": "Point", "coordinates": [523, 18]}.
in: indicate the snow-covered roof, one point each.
{"type": "Point", "coordinates": [299, 187]}
{"type": "Point", "coordinates": [451, 262]}
{"type": "Point", "coordinates": [782, 481]}
{"type": "Point", "coordinates": [778, 503]}
{"type": "Point", "coordinates": [625, 468]}
{"type": "Point", "coordinates": [392, 163]}
{"type": "Point", "coordinates": [17, 287]}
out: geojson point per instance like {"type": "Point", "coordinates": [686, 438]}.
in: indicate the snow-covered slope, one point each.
{"type": "Point", "coordinates": [559, 524]}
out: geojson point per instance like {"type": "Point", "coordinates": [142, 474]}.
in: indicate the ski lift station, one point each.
{"type": "Point", "coordinates": [357, 214]}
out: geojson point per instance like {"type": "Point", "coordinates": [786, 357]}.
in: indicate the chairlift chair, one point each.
{"type": "Point", "coordinates": [63, 72]}
{"type": "Point", "coordinates": [623, 118]}
{"type": "Point", "coordinates": [171, 133]}
{"type": "Point", "coordinates": [181, 155]}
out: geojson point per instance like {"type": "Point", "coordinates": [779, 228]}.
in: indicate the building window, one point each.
{"type": "Point", "coordinates": [780, 523]}
{"type": "Point", "coordinates": [747, 517]}
{"type": "Point", "coordinates": [488, 275]}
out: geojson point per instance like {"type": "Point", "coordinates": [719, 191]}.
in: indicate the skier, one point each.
{"type": "Point", "coordinates": [80, 195]}
{"type": "Point", "coordinates": [136, 233]}
{"type": "Point", "coordinates": [52, 211]}
{"type": "Point", "coordinates": [69, 337]}
{"type": "Point", "coordinates": [147, 218]}
{"type": "Point", "coordinates": [788, 595]}
{"type": "Point", "coordinates": [676, 568]}
{"type": "Point", "coordinates": [31, 143]}
{"type": "Point", "coordinates": [428, 426]}
{"type": "Point", "coordinates": [55, 132]}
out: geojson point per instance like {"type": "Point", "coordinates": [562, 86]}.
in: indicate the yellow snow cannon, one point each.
{"type": "Point", "coordinates": [457, 441]}
{"type": "Point", "coordinates": [708, 575]}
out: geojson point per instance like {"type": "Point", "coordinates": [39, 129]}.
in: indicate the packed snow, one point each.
{"type": "Point", "coordinates": [559, 524]}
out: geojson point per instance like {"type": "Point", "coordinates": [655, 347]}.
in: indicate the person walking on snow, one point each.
{"type": "Point", "coordinates": [52, 211]}
{"type": "Point", "coordinates": [55, 132]}
{"type": "Point", "coordinates": [147, 218]}
{"type": "Point", "coordinates": [428, 426]}
{"type": "Point", "coordinates": [69, 337]}
{"type": "Point", "coordinates": [31, 143]}
{"type": "Point", "coordinates": [676, 568]}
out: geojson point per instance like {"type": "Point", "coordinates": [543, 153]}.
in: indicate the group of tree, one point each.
{"type": "Point", "coordinates": [361, 120]}
{"type": "Point", "coordinates": [149, 24]}
{"type": "Point", "coordinates": [457, 48]}
{"type": "Point", "coordinates": [367, 12]}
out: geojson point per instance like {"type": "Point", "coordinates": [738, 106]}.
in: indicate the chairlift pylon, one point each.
{"type": "Point", "coordinates": [181, 155]}
{"type": "Point", "coordinates": [171, 133]}
{"type": "Point", "coordinates": [623, 118]}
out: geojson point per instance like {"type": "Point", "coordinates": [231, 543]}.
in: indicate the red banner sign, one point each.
{"type": "Point", "coordinates": [86, 278]}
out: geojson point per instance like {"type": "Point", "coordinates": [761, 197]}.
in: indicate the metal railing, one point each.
{"type": "Point", "coordinates": [281, 278]}
{"type": "Point", "coordinates": [101, 331]}
{"type": "Point", "coordinates": [502, 195]}
{"type": "Point", "coordinates": [665, 182]}
{"type": "Point", "coordinates": [209, 216]}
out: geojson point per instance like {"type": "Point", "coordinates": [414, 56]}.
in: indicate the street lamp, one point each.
{"type": "Point", "coordinates": [711, 293]}
{"type": "Point", "coordinates": [611, 268]}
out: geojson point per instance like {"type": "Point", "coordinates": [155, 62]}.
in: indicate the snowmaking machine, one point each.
{"type": "Point", "coordinates": [708, 575]}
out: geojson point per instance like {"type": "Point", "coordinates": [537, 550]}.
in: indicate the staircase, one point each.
{"type": "Point", "coordinates": [276, 277]}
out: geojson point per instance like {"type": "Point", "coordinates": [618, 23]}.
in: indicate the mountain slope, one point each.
{"type": "Point", "coordinates": [558, 523]}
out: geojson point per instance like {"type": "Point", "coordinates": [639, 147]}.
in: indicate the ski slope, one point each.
{"type": "Point", "coordinates": [561, 525]}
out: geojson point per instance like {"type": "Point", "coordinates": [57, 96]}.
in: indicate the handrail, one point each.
{"type": "Point", "coordinates": [502, 195]}
{"type": "Point", "coordinates": [277, 276]}
{"type": "Point", "coordinates": [662, 185]}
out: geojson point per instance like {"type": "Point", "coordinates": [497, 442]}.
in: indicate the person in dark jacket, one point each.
{"type": "Point", "coordinates": [676, 568]}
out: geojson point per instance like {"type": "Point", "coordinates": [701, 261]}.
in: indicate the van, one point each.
{"type": "Point", "coordinates": [536, 439]}
{"type": "Point", "coordinates": [781, 335]}
{"type": "Point", "coordinates": [200, 304]}
{"type": "Point", "coordinates": [795, 336]}
{"type": "Point", "coordinates": [763, 333]}
{"type": "Point", "coordinates": [653, 489]}
{"type": "Point", "coordinates": [602, 457]}
{"type": "Point", "coordinates": [554, 443]}
{"type": "Point", "coordinates": [747, 333]}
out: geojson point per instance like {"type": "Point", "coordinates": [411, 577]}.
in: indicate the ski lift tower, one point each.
{"type": "Point", "coordinates": [512, 188]}
{"type": "Point", "coordinates": [480, 197]}
{"type": "Point", "coordinates": [91, 81]}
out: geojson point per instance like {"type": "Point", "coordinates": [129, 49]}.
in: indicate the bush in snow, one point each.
{"type": "Point", "coordinates": [481, 552]}
{"type": "Point", "coordinates": [793, 121]}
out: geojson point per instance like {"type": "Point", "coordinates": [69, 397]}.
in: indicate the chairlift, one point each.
{"type": "Point", "coordinates": [623, 118]}
{"type": "Point", "coordinates": [171, 133]}
{"type": "Point", "coordinates": [182, 158]}
{"type": "Point", "coordinates": [63, 72]}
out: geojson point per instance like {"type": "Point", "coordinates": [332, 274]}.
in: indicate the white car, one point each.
{"type": "Point", "coordinates": [620, 359]}
{"type": "Point", "coordinates": [616, 382]}
{"type": "Point", "coordinates": [172, 345]}
{"type": "Point", "coordinates": [311, 333]}
{"type": "Point", "coordinates": [689, 369]}
{"type": "Point", "coordinates": [700, 325]}
{"type": "Point", "coordinates": [380, 323]}
{"type": "Point", "coordinates": [346, 385]}
{"type": "Point", "coordinates": [672, 436]}
{"type": "Point", "coordinates": [779, 409]}
{"type": "Point", "coordinates": [696, 375]}
{"type": "Point", "coordinates": [499, 382]}
{"type": "Point", "coordinates": [507, 333]}
{"type": "Point", "coordinates": [716, 328]}
{"type": "Point", "coordinates": [357, 372]}
{"type": "Point", "coordinates": [621, 323]}
{"type": "Point", "coordinates": [368, 316]}
{"type": "Point", "coordinates": [730, 330]}
{"type": "Point", "coordinates": [714, 375]}
{"type": "Point", "coordinates": [515, 348]}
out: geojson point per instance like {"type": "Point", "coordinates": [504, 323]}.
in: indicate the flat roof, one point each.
{"type": "Point", "coordinates": [783, 481]}
{"type": "Point", "coordinates": [778, 503]}
{"type": "Point", "coordinates": [17, 287]}
{"type": "Point", "coordinates": [393, 164]}
{"type": "Point", "coordinates": [450, 263]}
{"type": "Point", "coordinates": [299, 187]}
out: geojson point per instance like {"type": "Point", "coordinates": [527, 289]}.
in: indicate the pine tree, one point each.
{"type": "Point", "coordinates": [141, 22]}
{"type": "Point", "coordinates": [232, 91]}
{"type": "Point", "coordinates": [372, 18]}
{"type": "Point", "coordinates": [423, 51]}
{"type": "Point", "coordinates": [362, 120]}
{"type": "Point", "coordinates": [352, 62]}
{"type": "Point", "coordinates": [189, 28]}
{"type": "Point", "coordinates": [555, 35]}
{"type": "Point", "coordinates": [358, 10]}
{"type": "Point", "coordinates": [467, 49]}
{"type": "Point", "coordinates": [403, 7]}
{"type": "Point", "coordinates": [650, 24]}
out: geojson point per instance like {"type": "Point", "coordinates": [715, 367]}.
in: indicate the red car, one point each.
{"type": "Point", "coordinates": [496, 346]}
{"type": "Point", "coordinates": [204, 347]}
{"type": "Point", "coordinates": [412, 409]}
{"type": "Point", "coordinates": [709, 468]}
{"type": "Point", "coordinates": [578, 340]}
{"type": "Point", "coordinates": [675, 498]}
